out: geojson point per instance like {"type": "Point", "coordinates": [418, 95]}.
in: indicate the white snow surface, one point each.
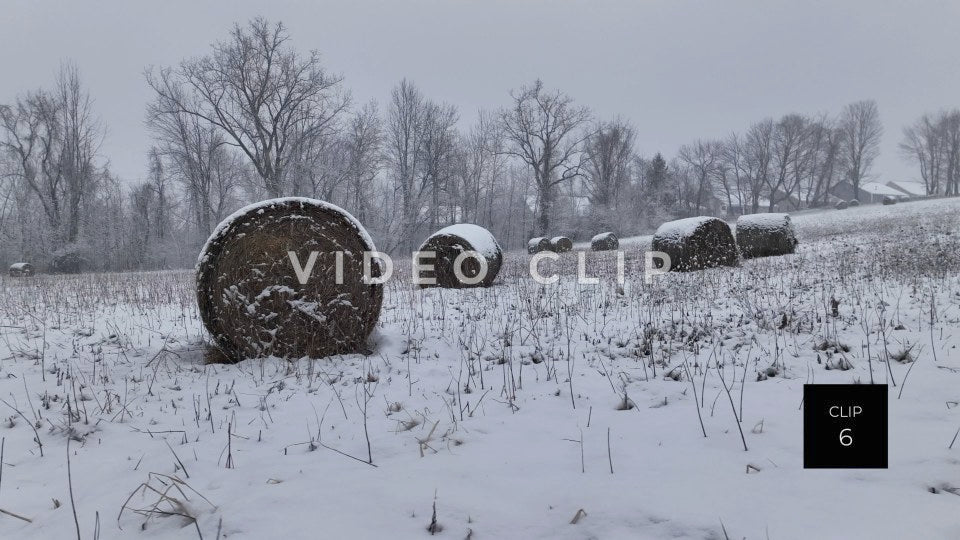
{"type": "Point", "coordinates": [764, 221]}
{"type": "Point", "coordinates": [601, 236]}
{"type": "Point", "coordinates": [533, 242]}
{"type": "Point", "coordinates": [876, 188]}
{"type": "Point", "coordinates": [475, 406]}
{"type": "Point", "coordinates": [681, 228]}
{"type": "Point", "coordinates": [224, 225]}
{"type": "Point", "coordinates": [480, 239]}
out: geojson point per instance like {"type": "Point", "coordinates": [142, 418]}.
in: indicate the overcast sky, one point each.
{"type": "Point", "coordinates": [678, 70]}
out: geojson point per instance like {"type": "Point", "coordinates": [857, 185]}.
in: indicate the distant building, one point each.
{"type": "Point", "coordinates": [869, 192]}
{"type": "Point", "coordinates": [912, 189]}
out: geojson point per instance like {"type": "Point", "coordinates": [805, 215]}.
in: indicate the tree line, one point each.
{"type": "Point", "coordinates": [255, 118]}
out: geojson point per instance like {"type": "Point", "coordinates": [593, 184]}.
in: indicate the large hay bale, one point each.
{"type": "Point", "coordinates": [841, 205]}
{"type": "Point", "coordinates": [696, 243]}
{"type": "Point", "coordinates": [538, 244]}
{"type": "Point", "coordinates": [561, 244]}
{"type": "Point", "coordinates": [889, 199]}
{"type": "Point", "coordinates": [21, 269]}
{"type": "Point", "coordinates": [853, 203]}
{"type": "Point", "coordinates": [604, 241]}
{"type": "Point", "coordinates": [449, 243]}
{"type": "Point", "coordinates": [252, 299]}
{"type": "Point", "coordinates": [765, 235]}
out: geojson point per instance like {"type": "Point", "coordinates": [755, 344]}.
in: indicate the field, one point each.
{"type": "Point", "coordinates": [663, 410]}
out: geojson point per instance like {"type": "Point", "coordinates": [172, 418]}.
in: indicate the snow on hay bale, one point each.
{"type": "Point", "coordinates": [853, 203]}
{"type": "Point", "coordinates": [764, 235]}
{"type": "Point", "coordinates": [451, 242]}
{"type": "Point", "coordinates": [888, 199]}
{"type": "Point", "coordinates": [841, 205]}
{"type": "Point", "coordinates": [604, 241]}
{"type": "Point", "coordinates": [561, 244]}
{"type": "Point", "coordinates": [696, 243]}
{"type": "Point", "coordinates": [538, 244]}
{"type": "Point", "coordinates": [267, 281]}
{"type": "Point", "coordinates": [21, 269]}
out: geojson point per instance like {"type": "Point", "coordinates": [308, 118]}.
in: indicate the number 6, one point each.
{"type": "Point", "coordinates": [845, 438]}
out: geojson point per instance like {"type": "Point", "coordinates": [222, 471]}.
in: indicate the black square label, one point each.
{"type": "Point", "coordinates": [844, 426]}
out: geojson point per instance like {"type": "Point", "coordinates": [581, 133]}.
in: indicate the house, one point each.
{"type": "Point", "coordinates": [869, 192]}
{"type": "Point", "coordinates": [912, 189]}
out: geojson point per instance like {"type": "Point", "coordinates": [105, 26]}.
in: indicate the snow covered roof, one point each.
{"type": "Point", "coordinates": [909, 187]}
{"type": "Point", "coordinates": [876, 188]}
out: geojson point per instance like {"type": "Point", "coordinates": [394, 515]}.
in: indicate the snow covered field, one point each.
{"type": "Point", "coordinates": [520, 411]}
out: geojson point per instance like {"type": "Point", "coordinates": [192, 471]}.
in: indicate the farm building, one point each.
{"type": "Point", "coordinates": [911, 189]}
{"type": "Point", "coordinates": [21, 269]}
{"type": "Point", "coordinates": [869, 192]}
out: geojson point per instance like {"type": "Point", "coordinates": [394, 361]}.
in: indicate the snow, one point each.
{"type": "Point", "coordinates": [876, 188]}
{"type": "Point", "coordinates": [909, 188]}
{"type": "Point", "coordinates": [764, 221]}
{"type": "Point", "coordinates": [259, 207]}
{"type": "Point", "coordinates": [477, 408]}
{"type": "Point", "coordinates": [479, 238]}
{"type": "Point", "coordinates": [675, 231]}
{"type": "Point", "coordinates": [535, 241]}
{"type": "Point", "coordinates": [602, 236]}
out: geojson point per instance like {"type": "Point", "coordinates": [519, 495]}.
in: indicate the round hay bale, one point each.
{"type": "Point", "coordinates": [538, 244]}
{"type": "Point", "coordinates": [889, 199]}
{"type": "Point", "coordinates": [696, 243]}
{"type": "Point", "coordinates": [21, 269]}
{"type": "Point", "coordinates": [853, 202]}
{"type": "Point", "coordinates": [257, 299]}
{"type": "Point", "coordinates": [561, 244]}
{"type": "Point", "coordinates": [449, 243]}
{"type": "Point", "coordinates": [842, 205]}
{"type": "Point", "coordinates": [765, 235]}
{"type": "Point", "coordinates": [604, 241]}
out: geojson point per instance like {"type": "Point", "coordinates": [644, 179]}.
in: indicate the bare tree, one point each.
{"type": "Point", "coordinates": [405, 124]}
{"type": "Point", "coordinates": [439, 150]}
{"type": "Point", "coordinates": [196, 155]}
{"type": "Point", "coordinates": [53, 140]}
{"type": "Point", "coordinates": [544, 130]}
{"type": "Point", "coordinates": [825, 147]}
{"type": "Point", "coordinates": [758, 148]}
{"type": "Point", "coordinates": [482, 166]}
{"type": "Point", "coordinates": [933, 142]}
{"type": "Point", "coordinates": [609, 155]}
{"type": "Point", "coordinates": [364, 138]}
{"type": "Point", "coordinates": [702, 158]}
{"type": "Point", "coordinates": [264, 97]}
{"type": "Point", "coordinates": [158, 184]}
{"type": "Point", "coordinates": [861, 127]}
{"type": "Point", "coordinates": [789, 138]}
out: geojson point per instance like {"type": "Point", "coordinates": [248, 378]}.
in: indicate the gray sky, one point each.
{"type": "Point", "coordinates": [677, 69]}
